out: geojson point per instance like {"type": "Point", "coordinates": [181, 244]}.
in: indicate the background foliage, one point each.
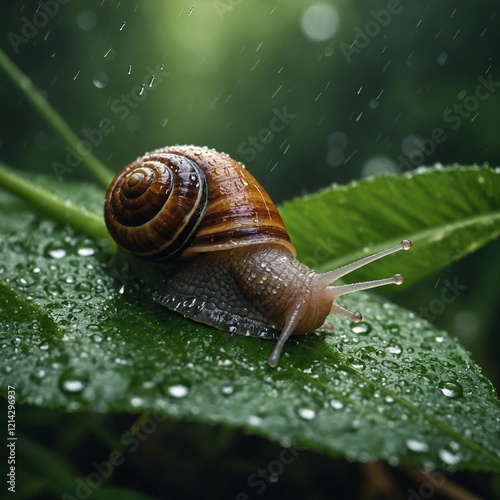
{"type": "Point", "coordinates": [223, 70]}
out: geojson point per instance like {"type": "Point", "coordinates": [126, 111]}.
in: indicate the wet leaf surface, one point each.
{"type": "Point", "coordinates": [80, 332]}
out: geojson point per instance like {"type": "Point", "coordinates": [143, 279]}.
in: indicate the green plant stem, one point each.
{"type": "Point", "coordinates": [63, 211]}
{"type": "Point", "coordinates": [93, 165]}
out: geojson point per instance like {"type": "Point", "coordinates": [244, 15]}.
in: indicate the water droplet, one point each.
{"type": "Point", "coordinates": [71, 382]}
{"type": "Point", "coordinates": [96, 337]}
{"type": "Point", "coordinates": [57, 253]}
{"type": "Point", "coordinates": [395, 349]}
{"type": "Point", "coordinates": [336, 404]}
{"type": "Point", "coordinates": [389, 399]}
{"type": "Point", "coordinates": [361, 328]}
{"type": "Point", "coordinates": [307, 413]}
{"type": "Point", "coordinates": [416, 445]}
{"type": "Point", "coordinates": [451, 389]}
{"type": "Point", "coordinates": [44, 346]}
{"type": "Point", "coordinates": [136, 401]}
{"type": "Point", "coordinates": [254, 420]}
{"type": "Point", "coordinates": [449, 457]}
{"type": "Point", "coordinates": [357, 364]}
{"type": "Point", "coordinates": [123, 25]}
{"type": "Point", "coordinates": [100, 80]}
{"type": "Point", "coordinates": [85, 252]}
{"type": "Point", "coordinates": [178, 391]}
{"type": "Point", "coordinates": [38, 375]}
{"type": "Point", "coordinates": [227, 390]}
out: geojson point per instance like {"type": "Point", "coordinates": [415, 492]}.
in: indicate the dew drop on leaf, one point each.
{"type": "Point", "coordinates": [136, 401]}
{"type": "Point", "coordinates": [357, 364]}
{"type": "Point", "coordinates": [361, 328]}
{"type": "Point", "coordinates": [254, 420]}
{"type": "Point", "coordinates": [395, 349]}
{"type": "Point", "coordinates": [336, 404]}
{"type": "Point", "coordinates": [307, 413]}
{"type": "Point", "coordinates": [85, 252]}
{"type": "Point", "coordinates": [57, 253]}
{"type": "Point", "coordinates": [71, 383]}
{"type": "Point", "coordinates": [451, 389]}
{"type": "Point", "coordinates": [417, 445]}
{"type": "Point", "coordinates": [178, 391]}
{"type": "Point", "coordinates": [449, 457]}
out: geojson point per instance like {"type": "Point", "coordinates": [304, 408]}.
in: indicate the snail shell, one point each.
{"type": "Point", "coordinates": [186, 200]}
{"type": "Point", "coordinates": [238, 270]}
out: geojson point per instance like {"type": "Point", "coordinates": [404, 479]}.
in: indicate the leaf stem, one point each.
{"type": "Point", "coordinates": [23, 82]}
{"type": "Point", "coordinates": [63, 211]}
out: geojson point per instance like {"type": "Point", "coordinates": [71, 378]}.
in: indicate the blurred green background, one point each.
{"type": "Point", "coordinates": [304, 93]}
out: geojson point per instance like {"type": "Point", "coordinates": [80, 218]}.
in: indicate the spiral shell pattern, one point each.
{"type": "Point", "coordinates": [155, 205]}
{"type": "Point", "coordinates": [181, 201]}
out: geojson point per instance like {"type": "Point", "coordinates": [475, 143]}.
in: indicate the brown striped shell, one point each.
{"type": "Point", "coordinates": [181, 201]}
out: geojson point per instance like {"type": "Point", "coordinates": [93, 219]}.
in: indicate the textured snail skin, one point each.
{"type": "Point", "coordinates": [249, 290]}
{"type": "Point", "coordinates": [238, 269]}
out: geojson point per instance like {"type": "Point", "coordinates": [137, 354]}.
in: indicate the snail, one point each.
{"type": "Point", "coordinates": [238, 270]}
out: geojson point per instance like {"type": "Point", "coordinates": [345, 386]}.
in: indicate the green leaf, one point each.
{"type": "Point", "coordinates": [447, 213]}
{"type": "Point", "coordinates": [78, 334]}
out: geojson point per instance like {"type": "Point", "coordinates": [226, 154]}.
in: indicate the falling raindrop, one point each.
{"type": "Point", "coordinates": [110, 54]}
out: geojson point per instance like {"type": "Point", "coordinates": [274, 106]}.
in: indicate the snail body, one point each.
{"type": "Point", "coordinates": [238, 270]}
